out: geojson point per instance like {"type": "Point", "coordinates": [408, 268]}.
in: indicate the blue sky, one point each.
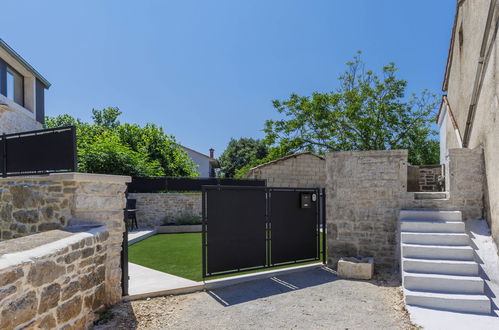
{"type": "Point", "coordinates": [208, 70]}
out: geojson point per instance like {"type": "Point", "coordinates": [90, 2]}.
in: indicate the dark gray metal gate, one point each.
{"type": "Point", "coordinates": [247, 228]}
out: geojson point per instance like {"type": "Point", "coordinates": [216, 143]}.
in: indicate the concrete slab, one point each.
{"type": "Point", "coordinates": [139, 235]}
{"type": "Point", "coordinates": [432, 319]}
{"type": "Point", "coordinates": [147, 282]}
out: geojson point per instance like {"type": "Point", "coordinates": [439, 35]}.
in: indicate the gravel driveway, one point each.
{"type": "Point", "coordinates": [313, 299]}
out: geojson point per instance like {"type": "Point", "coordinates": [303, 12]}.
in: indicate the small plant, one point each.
{"type": "Point", "coordinates": [187, 219]}
{"type": "Point", "coordinates": [165, 221]}
{"type": "Point", "coordinates": [104, 317]}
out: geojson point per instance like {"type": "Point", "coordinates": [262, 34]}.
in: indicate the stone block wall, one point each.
{"type": "Point", "coordinates": [82, 199]}
{"type": "Point", "coordinates": [465, 185]}
{"type": "Point", "coordinates": [362, 204]}
{"type": "Point", "coordinates": [56, 285]}
{"type": "Point", "coordinates": [154, 208]}
{"type": "Point", "coordinates": [424, 178]}
{"type": "Point", "coordinates": [302, 170]}
{"type": "Point", "coordinates": [30, 206]}
{"type": "Point", "coordinates": [366, 190]}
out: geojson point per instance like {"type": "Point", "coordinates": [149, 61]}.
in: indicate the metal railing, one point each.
{"type": "Point", "coordinates": [38, 152]}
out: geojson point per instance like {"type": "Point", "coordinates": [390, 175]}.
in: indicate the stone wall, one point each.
{"type": "Point", "coordinates": [58, 284]}
{"type": "Point", "coordinates": [424, 178]}
{"type": "Point", "coordinates": [30, 206]}
{"type": "Point", "coordinates": [362, 204]}
{"type": "Point", "coordinates": [303, 170]}
{"type": "Point", "coordinates": [155, 208]}
{"type": "Point", "coordinates": [82, 199]}
{"type": "Point", "coordinates": [14, 118]}
{"type": "Point", "coordinates": [366, 190]}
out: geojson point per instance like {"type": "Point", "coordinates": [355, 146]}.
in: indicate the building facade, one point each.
{"type": "Point", "coordinates": [206, 165]}
{"type": "Point", "coordinates": [22, 93]}
{"type": "Point", "coordinates": [469, 114]}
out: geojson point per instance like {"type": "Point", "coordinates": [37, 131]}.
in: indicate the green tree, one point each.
{"type": "Point", "coordinates": [107, 146]}
{"type": "Point", "coordinates": [367, 112]}
{"type": "Point", "coordinates": [241, 153]}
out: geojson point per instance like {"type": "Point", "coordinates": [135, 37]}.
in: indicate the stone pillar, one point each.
{"type": "Point", "coordinates": [363, 192]}
{"type": "Point", "coordinates": [466, 178]}
{"type": "Point", "coordinates": [101, 199]}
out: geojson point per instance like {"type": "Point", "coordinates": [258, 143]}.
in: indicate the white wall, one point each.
{"type": "Point", "coordinates": [201, 160]}
{"type": "Point", "coordinates": [14, 118]}
{"type": "Point", "coordinates": [443, 137]}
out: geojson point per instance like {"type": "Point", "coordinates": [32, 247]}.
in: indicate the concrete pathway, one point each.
{"type": "Point", "coordinates": [139, 235]}
{"type": "Point", "coordinates": [144, 281]}
{"type": "Point", "coordinates": [488, 259]}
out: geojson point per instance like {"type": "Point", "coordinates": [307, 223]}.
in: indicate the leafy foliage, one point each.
{"type": "Point", "coordinates": [240, 154]}
{"type": "Point", "coordinates": [367, 112]}
{"type": "Point", "coordinates": [107, 146]}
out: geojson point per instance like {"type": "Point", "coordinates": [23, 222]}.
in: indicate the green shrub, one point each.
{"type": "Point", "coordinates": [183, 219]}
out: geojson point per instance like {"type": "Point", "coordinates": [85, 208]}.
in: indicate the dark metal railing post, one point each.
{"type": "Point", "coordinates": [75, 150]}
{"type": "Point", "coordinates": [124, 253]}
{"type": "Point", "coordinates": [323, 221]}
{"type": "Point", "coordinates": [4, 155]}
{"type": "Point", "coordinates": [203, 234]}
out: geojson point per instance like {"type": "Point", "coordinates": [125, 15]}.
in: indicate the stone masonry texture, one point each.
{"type": "Point", "coordinates": [302, 170]}
{"type": "Point", "coordinates": [90, 269]}
{"type": "Point", "coordinates": [366, 190]}
{"type": "Point", "coordinates": [59, 288]}
{"type": "Point", "coordinates": [153, 209]}
{"type": "Point", "coordinates": [31, 206]}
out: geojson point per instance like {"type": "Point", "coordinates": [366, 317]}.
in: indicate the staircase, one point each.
{"type": "Point", "coordinates": [438, 264]}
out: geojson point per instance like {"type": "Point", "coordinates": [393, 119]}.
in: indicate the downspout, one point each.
{"type": "Point", "coordinates": [453, 121]}
{"type": "Point", "coordinates": [482, 61]}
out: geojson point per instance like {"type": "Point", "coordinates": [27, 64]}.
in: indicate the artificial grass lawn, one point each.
{"type": "Point", "coordinates": [178, 254]}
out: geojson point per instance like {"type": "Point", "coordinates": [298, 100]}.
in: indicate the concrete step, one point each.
{"type": "Point", "coordinates": [443, 252]}
{"type": "Point", "coordinates": [430, 195]}
{"type": "Point", "coordinates": [435, 238]}
{"type": "Point", "coordinates": [469, 303]}
{"type": "Point", "coordinates": [443, 283]}
{"type": "Point", "coordinates": [450, 267]}
{"type": "Point", "coordinates": [425, 214]}
{"type": "Point", "coordinates": [432, 226]}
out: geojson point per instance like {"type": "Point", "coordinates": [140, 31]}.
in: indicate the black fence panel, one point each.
{"type": "Point", "coordinates": [38, 152]}
{"type": "Point", "coordinates": [294, 234]}
{"type": "Point", "coordinates": [236, 239]}
{"type": "Point", "coordinates": [248, 228]}
{"type": "Point", "coordinates": [150, 185]}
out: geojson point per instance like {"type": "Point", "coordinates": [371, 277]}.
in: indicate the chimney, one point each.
{"type": "Point", "coordinates": [212, 153]}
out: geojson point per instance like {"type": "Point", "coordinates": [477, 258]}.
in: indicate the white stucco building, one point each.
{"type": "Point", "coordinates": [206, 164]}
{"type": "Point", "coordinates": [469, 113]}
{"type": "Point", "coordinates": [22, 93]}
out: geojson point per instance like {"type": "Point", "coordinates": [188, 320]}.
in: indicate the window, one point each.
{"type": "Point", "coordinates": [15, 86]}
{"type": "Point", "coordinates": [461, 38]}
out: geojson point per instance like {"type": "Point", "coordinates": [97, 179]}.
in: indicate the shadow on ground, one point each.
{"type": "Point", "coordinates": [244, 292]}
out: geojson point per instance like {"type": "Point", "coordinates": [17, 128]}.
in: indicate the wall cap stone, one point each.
{"type": "Point", "coordinates": [18, 258]}
{"type": "Point", "coordinates": [368, 153]}
{"type": "Point", "coordinates": [92, 177]}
